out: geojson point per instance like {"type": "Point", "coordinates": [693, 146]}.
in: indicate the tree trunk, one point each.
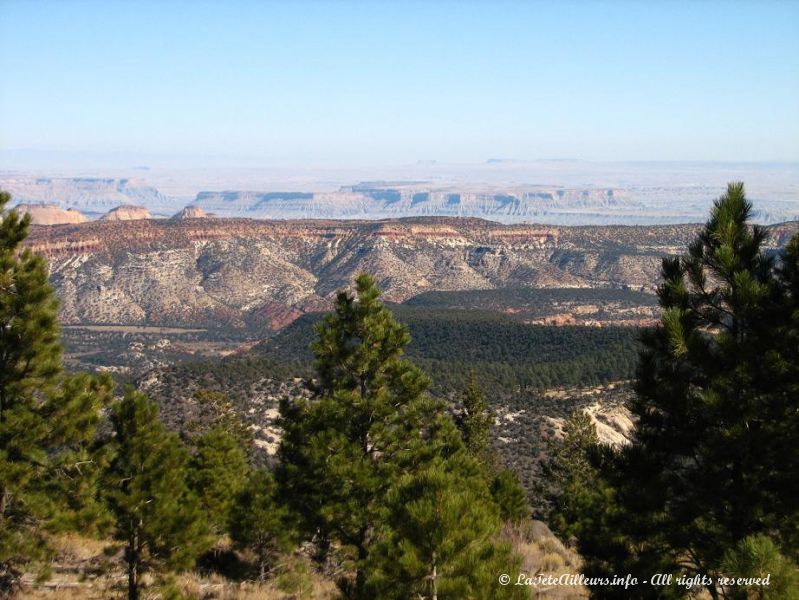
{"type": "Point", "coordinates": [133, 579]}
{"type": "Point", "coordinates": [433, 580]}
{"type": "Point", "coordinates": [133, 566]}
{"type": "Point", "coordinates": [713, 592]}
{"type": "Point", "coordinates": [360, 574]}
{"type": "Point", "coordinates": [263, 560]}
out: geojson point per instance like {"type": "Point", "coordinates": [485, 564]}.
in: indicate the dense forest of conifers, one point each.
{"type": "Point", "coordinates": [390, 492]}
{"type": "Point", "coordinates": [530, 298]}
{"type": "Point", "coordinates": [508, 355]}
{"type": "Point", "coordinates": [512, 354]}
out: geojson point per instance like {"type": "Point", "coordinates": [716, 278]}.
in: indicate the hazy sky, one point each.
{"type": "Point", "coordinates": [388, 81]}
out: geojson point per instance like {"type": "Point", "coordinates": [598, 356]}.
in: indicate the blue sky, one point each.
{"type": "Point", "coordinates": [392, 82]}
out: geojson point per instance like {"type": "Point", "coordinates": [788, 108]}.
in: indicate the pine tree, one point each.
{"type": "Point", "coordinates": [438, 541]}
{"type": "Point", "coordinates": [372, 422]}
{"type": "Point", "coordinates": [48, 420]}
{"type": "Point", "coordinates": [216, 411]}
{"type": "Point", "coordinates": [217, 473]}
{"type": "Point", "coordinates": [258, 522]}
{"type": "Point", "coordinates": [510, 497]}
{"type": "Point", "coordinates": [716, 405]}
{"type": "Point", "coordinates": [157, 516]}
{"type": "Point", "coordinates": [78, 453]}
{"type": "Point", "coordinates": [756, 557]}
{"type": "Point", "coordinates": [568, 478]}
{"type": "Point", "coordinates": [785, 428]}
{"type": "Point", "coordinates": [475, 419]}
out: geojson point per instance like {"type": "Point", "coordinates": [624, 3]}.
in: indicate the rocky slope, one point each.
{"type": "Point", "coordinates": [239, 272]}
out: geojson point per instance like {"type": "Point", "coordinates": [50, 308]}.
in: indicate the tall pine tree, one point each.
{"type": "Point", "coordinates": [716, 406]}
{"type": "Point", "coordinates": [371, 423]}
{"type": "Point", "coordinates": [157, 515]}
{"type": "Point", "coordinates": [259, 523]}
{"type": "Point", "coordinates": [218, 472]}
{"type": "Point", "coordinates": [49, 461]}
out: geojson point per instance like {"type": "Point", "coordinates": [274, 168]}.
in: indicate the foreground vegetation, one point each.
{"type": "Point", "coordinates": [387, 491]}
{"type": "Point", "coordinates": [374, 473]}
{"type": "Point", "coordinates": [708, 486]}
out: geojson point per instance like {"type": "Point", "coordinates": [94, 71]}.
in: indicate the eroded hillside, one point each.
{"type": "Point", "coordinates": [241, 272]}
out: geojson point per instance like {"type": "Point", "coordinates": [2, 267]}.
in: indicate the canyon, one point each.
{"type": "Point", "coordinates": [259, 274]}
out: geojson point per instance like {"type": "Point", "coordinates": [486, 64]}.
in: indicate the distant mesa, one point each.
{"type": "Point", "coordinates": [127, 212]}
{"type": "Point", "coordinates": [51, 214]}
{"type": "Point", "coordinates": [93, 196]}
{"type": "Point", "coordinates": [191, 212]}
{"type": "Point", "coordinates": [391, 199]}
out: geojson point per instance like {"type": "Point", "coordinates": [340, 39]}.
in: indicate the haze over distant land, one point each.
{"type": "Point", "coordinates": [560, 192]}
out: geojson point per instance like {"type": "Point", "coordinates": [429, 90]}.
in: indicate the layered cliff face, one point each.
{"type": "Point", "coordinates": [240, 272]}
{"type": "Point", "coordinates": [509, 204]}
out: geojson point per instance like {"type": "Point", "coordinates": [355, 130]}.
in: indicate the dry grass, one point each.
{"type": "Point", "coordinates": [76, 547]}
{"type": "Point", "coordinates": [543, 553]}
{"type": "Point", "coordinates": [296, 581]}
{"type": "Point", "coordinates": [88, 569]}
